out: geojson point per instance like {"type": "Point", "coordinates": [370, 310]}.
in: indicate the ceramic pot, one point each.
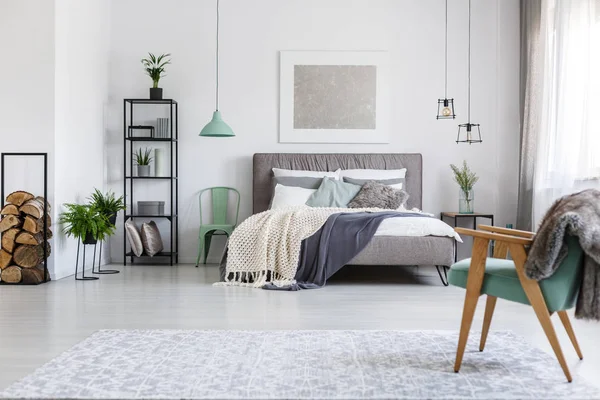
{"type": "Point", "coordinates": [156, 94]}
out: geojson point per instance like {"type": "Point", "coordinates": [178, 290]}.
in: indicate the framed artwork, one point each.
{"type": "Point", "coordinates": [334, 97]}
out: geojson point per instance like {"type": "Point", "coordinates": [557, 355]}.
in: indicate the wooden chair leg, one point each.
{"type": "Point", "coordinates": [536, 299]}
{"type": "Point", "coordinates": [474, 282]}
{"type": "Point", "coordinates": [564, 318]}
{"type": "Point", "coordinates": [490, 305]}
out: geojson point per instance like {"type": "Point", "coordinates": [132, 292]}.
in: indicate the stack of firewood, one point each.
{"type": "Point", "coordinates": [22, 229]}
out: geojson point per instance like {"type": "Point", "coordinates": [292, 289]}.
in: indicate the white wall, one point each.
{"type": "Point", "coordinates": [252, 34]}
{"type": "Point", "coordinates": [82, 40]}
{"type": "Point", "coordinates": [27, 92]}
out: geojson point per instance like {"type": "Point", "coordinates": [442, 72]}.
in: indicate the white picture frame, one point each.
{"type": "Point", "coordinates": [307, 80]}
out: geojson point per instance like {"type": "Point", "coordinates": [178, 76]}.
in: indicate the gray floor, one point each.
{"type": "Point", "coordinates": [38, 323]}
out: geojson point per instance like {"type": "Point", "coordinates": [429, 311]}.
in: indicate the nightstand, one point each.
{"type": "Point", "coordinates": [456, 216]}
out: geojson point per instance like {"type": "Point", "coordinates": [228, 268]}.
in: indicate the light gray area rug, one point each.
{"type": "Point", "coordinates": [178, 364]}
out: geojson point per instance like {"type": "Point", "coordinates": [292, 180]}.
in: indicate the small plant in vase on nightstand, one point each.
{"type": "Point", "coordinates": [155, 69]}
{"type": "Point", "coordinates": [142, 160]}
{"type": "Point", "coordinates": [466, 179]}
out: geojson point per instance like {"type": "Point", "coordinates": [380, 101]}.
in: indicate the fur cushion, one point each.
{"type": "Point", "coordinates": [378, 195]}
{"type": "Point", "coordinates": [151, 238]}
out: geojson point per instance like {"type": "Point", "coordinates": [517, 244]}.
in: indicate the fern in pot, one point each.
{"type": "Point", "coordinates": [142, 160]}
{"type": "Point", "coordinates": [155, 69]}
{"type": "Point", "coordinates": [107, 204]}
{"type": "Point", "coordinates": [466, 179]}
{"type": "Point", "coordinates": [85, 223]}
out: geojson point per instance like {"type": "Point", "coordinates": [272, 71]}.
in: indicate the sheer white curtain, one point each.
{"type": "Point", "coordinates": [567, 157]}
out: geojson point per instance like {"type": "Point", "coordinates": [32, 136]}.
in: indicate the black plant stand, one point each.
{"type": "Point", "coordinates": [83, 277]}
{"type": "Point", "coordinates": [100, 270]}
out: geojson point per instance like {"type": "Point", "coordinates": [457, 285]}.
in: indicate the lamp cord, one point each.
{"type": "Point", "coordinates": [446, 56]}
{"type": "Point", "coordinates": [469, 68]}
{"type": "Point", "coordinates": [217, 94]}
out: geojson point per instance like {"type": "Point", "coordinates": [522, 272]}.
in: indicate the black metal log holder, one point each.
{"type": "Point", "coordinates": [45, 216]}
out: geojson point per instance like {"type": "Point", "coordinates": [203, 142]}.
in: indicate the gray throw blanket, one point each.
{"type": "Point", "coordinates": [339, 240]}
{"type": "Point", "coordinates": [577, 215]}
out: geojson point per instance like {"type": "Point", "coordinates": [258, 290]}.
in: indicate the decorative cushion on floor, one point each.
{"type": "Point", "coordinates": [501, 280]}
{"type": "Point", "coordinates": [151, 238]}
{"type": "Point", "coordinates": [134, 238]}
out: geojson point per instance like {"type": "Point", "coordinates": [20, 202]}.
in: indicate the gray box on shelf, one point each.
{"type": "Point", "coordinates": [151, 207]}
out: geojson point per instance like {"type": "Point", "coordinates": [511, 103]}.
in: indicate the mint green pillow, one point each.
{"type": "Point", "coordinates": [333, 193]}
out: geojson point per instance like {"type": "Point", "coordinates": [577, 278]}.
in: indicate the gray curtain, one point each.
{"type": "Point", "coordinates": [532, 49]}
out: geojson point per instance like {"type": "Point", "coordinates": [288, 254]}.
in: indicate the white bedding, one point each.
{"type": "Point", "coordinates": [415, 226]}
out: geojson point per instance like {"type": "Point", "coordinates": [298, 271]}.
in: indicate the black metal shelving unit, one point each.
{"type": "Point", "coordinates": [128, 182]}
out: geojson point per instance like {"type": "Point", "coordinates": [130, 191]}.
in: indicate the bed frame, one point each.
{"type": "Point", "coordinates": [382, 250]}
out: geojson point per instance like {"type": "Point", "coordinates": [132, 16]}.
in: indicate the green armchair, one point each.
{"type": "Point", "coordinates": [498, 277]}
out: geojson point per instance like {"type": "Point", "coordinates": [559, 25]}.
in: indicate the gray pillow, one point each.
{"type": "Point", "coordinates": [151, 239]}
{"type": "Point", "coordinates": [297, 181]}
{"type": "Point", "coordinates": [384, 181]}
{"type": "Point", "coordinates": [333, 193]}
{"type": "Point", "coordinates": [378, 195]}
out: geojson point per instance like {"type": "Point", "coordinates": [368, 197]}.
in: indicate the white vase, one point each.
{"type": "Point", "coordinates": [160, 163]}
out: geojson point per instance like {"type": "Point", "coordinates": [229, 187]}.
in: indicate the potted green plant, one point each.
{"type": "Point", "coordinates": [107, 204]}
{"type": "Point", "coordinates": [466, 179]}
{"type": "Point", "coordinates": [142, 160]}
{"type": "Point", "coordinates": [155, 69]}
{"type": "Point", "coordinates": [86, 223]}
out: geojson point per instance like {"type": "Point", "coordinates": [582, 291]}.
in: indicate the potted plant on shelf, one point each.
{"type": "Point", "coordinates": [466, 179]}
{"type": "Point", "coordinates": [155, 69]}
{"type": "Point", "coordinates": [142, 160]}
{"type": "Point", "coordinates": [85, 223]}
{"type": "Point", "coordinates": [107, 204]}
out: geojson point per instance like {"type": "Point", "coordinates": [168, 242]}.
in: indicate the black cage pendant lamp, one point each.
{"type": "Point", "coordinates": [469, 132]}
{"type": "Point", "coordinates": [445, 108]}
{"type": "Point", "coordinates": [217, 127]}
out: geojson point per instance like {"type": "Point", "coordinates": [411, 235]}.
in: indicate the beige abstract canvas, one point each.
{"type": "Point", "coordinates": [335, 96]}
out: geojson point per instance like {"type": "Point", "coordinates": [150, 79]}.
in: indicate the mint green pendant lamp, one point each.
{"type": "Point", "coordinates": [217, 127]}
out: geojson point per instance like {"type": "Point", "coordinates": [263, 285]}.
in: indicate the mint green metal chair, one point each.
{"type": "Point", "coordinates": [220, 224]}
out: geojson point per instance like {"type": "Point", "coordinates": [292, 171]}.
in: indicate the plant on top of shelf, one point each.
{"type": "Point", "coordinates": [142, 160]}
{"type": "Point", "coordinates": [107, 204]}
{"type": "Point", "coordinates": [155, 69]}
{"type": "Point", "coordinates": [82, 221]}
{"type": "Point", "coordinates": [466, 179]}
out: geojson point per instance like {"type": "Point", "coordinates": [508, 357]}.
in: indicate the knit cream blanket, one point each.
{"type": "Point", "coordinates": [265, 248]}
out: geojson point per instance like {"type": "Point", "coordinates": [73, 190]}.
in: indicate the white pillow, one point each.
{"type": "Point", "coordinates": [285, 196]}
{"type": "Point", "coordinates": [311, 174]}
{"type": "Point", "coordinates": [375, 174]}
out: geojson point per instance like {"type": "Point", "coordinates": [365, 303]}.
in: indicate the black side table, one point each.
{"type": "Point", "coordinates": [456, 216]}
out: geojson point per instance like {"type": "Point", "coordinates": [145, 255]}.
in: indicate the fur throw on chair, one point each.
{"type": "Point", "coordinates": [577, 215]}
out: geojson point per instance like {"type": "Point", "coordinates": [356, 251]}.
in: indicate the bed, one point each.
{"type": "Point", "coordinates": [383, 249]}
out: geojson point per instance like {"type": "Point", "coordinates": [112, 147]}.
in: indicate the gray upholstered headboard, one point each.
{"type": "Point", "coordinates": [263, 174]}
